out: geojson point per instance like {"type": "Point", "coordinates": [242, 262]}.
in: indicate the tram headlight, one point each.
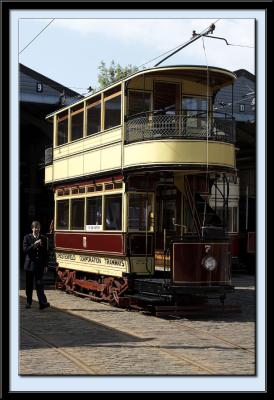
{"type": "Point", "coordinates": [209, 263]}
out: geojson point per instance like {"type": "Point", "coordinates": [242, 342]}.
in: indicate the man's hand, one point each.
{"type": "Point", "coordinates": [45, 269]}
{"type": "Point", "coordinates": [38, 242]}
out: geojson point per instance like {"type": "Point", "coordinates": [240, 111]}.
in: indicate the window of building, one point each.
{"type": "Point", "coordinates": [113, 111]}
{"type": "Point", "coordinates": [77, 213]}
{"type": "Point", "coordinates": [242, 107]}
{"type": "Point", "coordinates": [62, 214]}
{"type": "Point", "coordinates": [138, 101]}
{"type": "Point", "coordinates": [113, 212]}
{"type": "Point", "coordinates": [140, 218]}
{"type": "Point", "coordinates": [62, 128]}
{"type": "Point", "coordinates": [77, 121]}
{"type": "Point", "coordinates": [94, 210]}
{"type": "Point", "coordinates": [94, 115]}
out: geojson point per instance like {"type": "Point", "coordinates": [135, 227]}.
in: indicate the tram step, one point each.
{"type": "Point", "coordinates": [145, 298]}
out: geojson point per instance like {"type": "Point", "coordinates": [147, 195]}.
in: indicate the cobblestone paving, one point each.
{"type": "Point", "coordinates": [80, 337]}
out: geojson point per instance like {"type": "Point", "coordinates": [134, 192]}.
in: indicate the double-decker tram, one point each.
{"type": "Point", "coordinates": [140, 173]}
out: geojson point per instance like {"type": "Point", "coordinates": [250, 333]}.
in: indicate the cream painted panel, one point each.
{"type": "Point", "coordinates": [111, 157]}
{"type": "Point", "coordinates": [60, 169]}
{"type": "Point", "coordinates": [111, 136]}
{"type": "Point", "coordinates": [92, 161]}
{"type": "Point", "coordinates": [76, 147]}
{"type": "Point", "coordinates": [92, 141]}
{"type": "Point", "coordinates": [75, 165]}
{"type": "Point", "coordinates": [178, 152]}
{"type": "Point", "coordinates": [48, 173]}
{"type": "Point", "coordinates": [61, 151]}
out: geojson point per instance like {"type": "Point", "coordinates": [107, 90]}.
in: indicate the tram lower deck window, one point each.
{"type": "Point", "coordinates": [113, 212]}
{"type": "Point", "coordinates": [77, 213]}
{"type": "Point", "coordinates": [62, 211]}
{"type": "Point", "coordinates": [94, 211]}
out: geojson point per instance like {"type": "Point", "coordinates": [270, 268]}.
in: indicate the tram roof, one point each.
{"type": "Point", "coordinates": [220, 77]}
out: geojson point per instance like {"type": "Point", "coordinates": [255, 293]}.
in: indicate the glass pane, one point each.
{"type": "Point", "coordinates": [77, 213]}
{"type": "Point", "coordinates": [137, 212]}
{"type": "Point", "coordinates": [94, 119]}
{"type": "Point", "coordinates": [62, 129]}
{"type": "Point", "coordinates": [113, 212]}
{"type": "Point", "coordinates": [113, 112]}
{"type": "Point", "coordinates": [62, 214]}
{"type": "Point", "coordinates": [77, 126]}
{"type": "Point", "coordinates": [169, 213]}
{"type": "Point", "coordinates": [138, 102]}
{"type": "Point", "coordinates": [94, 211]}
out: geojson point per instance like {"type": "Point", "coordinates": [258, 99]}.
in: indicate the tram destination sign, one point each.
{"type": "Point", "coordinates": [89, 259]}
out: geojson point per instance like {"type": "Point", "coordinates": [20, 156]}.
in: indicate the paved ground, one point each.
{"type": "Point", "coordinates": [79, 337]}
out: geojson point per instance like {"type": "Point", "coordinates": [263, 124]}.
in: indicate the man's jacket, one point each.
{"type": "Point", "coordinates": [36, 256]}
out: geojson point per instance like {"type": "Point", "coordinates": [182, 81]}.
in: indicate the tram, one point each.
{"type": "Point", "coordinates": [141, 172]}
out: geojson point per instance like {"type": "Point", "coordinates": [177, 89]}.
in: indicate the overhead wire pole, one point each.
{"type": "Point", "coordinates": [193, 39]}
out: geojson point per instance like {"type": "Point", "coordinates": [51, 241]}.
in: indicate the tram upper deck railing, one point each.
{"type": "Point", "coordinates": [193, 124]}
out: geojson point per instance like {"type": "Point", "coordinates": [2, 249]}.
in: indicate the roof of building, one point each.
{"type": "Point", "coordinates": [245, 73]}
{"type": "Point", "coordinates": [42, 78]}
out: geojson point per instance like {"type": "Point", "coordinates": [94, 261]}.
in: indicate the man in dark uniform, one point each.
{"type": "Point", "coordinates": [35, 248]}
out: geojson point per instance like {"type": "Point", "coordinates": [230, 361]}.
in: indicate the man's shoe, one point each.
{"type": "Point", "coordinates": [42, 306]}
{"type": "Point", "coordinates": [28, 305]}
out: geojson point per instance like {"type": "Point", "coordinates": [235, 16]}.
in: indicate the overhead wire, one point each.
{"type": "Point", "coordinates": [36, 36]}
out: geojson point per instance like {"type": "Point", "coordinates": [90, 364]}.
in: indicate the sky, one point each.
{"type": "Point", "coordinates": [70, 50]}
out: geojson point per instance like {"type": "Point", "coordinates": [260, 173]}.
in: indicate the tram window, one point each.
{"type": "Point", "coordinates": [192, 106]}
{"type": "Point", "coordinates": [94, 119]}
{"type": "Point", "coordinates": [90, 189]}
{"type": "Point", "coordinates": [137, 212]}
{"type": "Point", "coordinates": [74, 191]}
{"type": "Point", "coordinates": [77, 119]}
{"type": "Point", "coordinates": [60, 192]}
{"type": "Point", "coordinates": [62, 210]}
{"type": "Point", "coordinates": [109, 186]}
{"type": "Point", "coordinates": [66, 192]}
{"type": "Point", "coordinates": [113, 112]}
{"type": "Point", "coordinates": [77, 213]}
{"type": "Point", "coordinates": [82, 189]}
{"type": "Point", "coordinates": [118, 185]}
{"type": "Point", "coordinates": [98, 188]}
{"type": "Point", "coordinates": [94, 210]}
{"type": "Point", "coordinates": [62, 129]}
{"type": "Point", "coordinates": [138, 102]}
{"type": "Point", "coordinates": [113, 212]}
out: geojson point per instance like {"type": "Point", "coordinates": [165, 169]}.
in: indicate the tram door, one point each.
{"type": "Point", "coordinates": [168, 212]}
{"type": "Point", "coordinates": [166, 97]}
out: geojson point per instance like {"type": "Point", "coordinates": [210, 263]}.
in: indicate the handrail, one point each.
{"type": "Point", "coordinates": [159, 124]}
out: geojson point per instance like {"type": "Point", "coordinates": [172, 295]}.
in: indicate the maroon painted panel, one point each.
{"type": "Point", "coordinates": [187, 262]}
{"type": "Point", "coordinates": [251, 242]}
{"type": "Point", "coordinates": [112, 243]}
{"type": "Point", "coordinates": [235, 246]}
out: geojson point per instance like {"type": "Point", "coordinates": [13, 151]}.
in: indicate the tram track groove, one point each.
{"type": "Point", "coordinates": [65, 353]}
{"type": "Point", "coordinates": [192, 328]}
